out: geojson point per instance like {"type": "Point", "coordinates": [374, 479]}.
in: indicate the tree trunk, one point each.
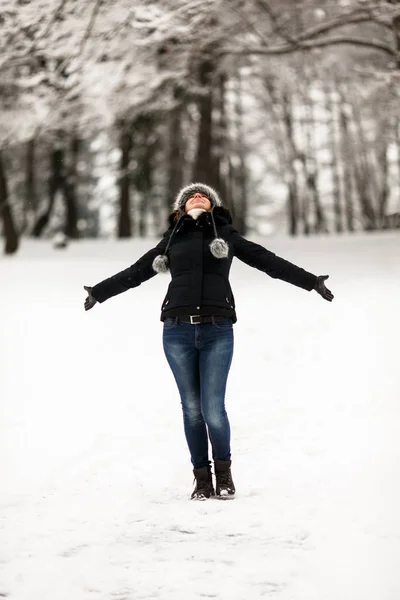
{"type": "Point", "coordinates": [54, 184]}
{"type": "Point", "coordinates": [346, 159]}
{"type": "Point", "coordinates": [384, 191]}
{"type": "Point", "coordinates": [396, 29]}
{"type": "Point", "coordinates": [144, 176]}
{"type": "Point", "coordinates": [31, 200]}
{"type": "Point", "coordinates": [311, 166]}
{"type": "Point", "coordinates": [63, 178]}
{"type": "Point", "coordinates": [144, 148]}
{"type": "Point", "coordinates": [9, 229]}
{"type": "Point", "coordinates": [229, 186]}
{"type": "Point", "coordinates": [330, 106]}
{"type": "Point", "coordinates": [293, 198]}
{"type": "Point", "coordinates": [292, 204]}
{"type": "Point", "coordinates": [304, 153]}
{"type": "Point", "coordinates": [320, 220]}
{"type": "Point", "coordinates": [220, 140]}
{"type": "Point", "coordinates": [304, 203]}
{"type": "Point", "coordinates": [69, 184]}
{"type": "Point", "coordinates": [242, 200]}
{"type": "Point", "coordinates": [362, 187]}
{"type": "Point", "coordinates": [204, 166]}
{"type": "Point", "coordinates": [363, 173]}
{"type": "Point", "coordinates": [124, 219]}
{"type": "Point", "coordinates": [397, 126]}
{"type": "Point", "coordinates": [284, 150]}
{"type": "Point", "coordinates": [226, 175]}
{"type": "Point", "coordinates": [176, 153]}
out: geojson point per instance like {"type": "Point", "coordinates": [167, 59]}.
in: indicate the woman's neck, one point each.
{"type": "Point", "coordinates": [196, 212]}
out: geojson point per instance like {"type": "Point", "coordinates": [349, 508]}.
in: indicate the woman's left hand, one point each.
{"type": "Point", "coordinates": [90, 300]}
{"type": "Point", "coordinates": [322, 290]}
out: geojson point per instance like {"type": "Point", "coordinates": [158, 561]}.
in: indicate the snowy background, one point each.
{"type": "Point", "coordinates": [95, 474]}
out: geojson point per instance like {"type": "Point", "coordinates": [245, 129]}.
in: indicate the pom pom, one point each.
{"type": "Point", "coordinates": [219, 248]}
{"type": "Point", "coordinates": [160, 264]}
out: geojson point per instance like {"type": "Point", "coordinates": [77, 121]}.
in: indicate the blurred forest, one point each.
{"type": "Point", "coordinates": [290, 108]}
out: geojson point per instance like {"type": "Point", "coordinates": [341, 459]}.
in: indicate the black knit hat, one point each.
{"type": "Point", "coordinates": [218, 247]}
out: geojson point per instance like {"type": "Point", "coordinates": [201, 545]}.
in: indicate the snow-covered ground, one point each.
{"type": "Point", "coordinates": [95, 475]}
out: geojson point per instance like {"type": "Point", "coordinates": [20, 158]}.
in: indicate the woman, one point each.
{"type": "Point", "coordinates": [198, 313]}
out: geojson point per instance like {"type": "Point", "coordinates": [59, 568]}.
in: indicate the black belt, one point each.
{"type": "Point", "coordinates": [199, 320]}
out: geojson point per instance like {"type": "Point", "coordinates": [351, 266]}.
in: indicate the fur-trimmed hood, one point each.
{"type": "Point", "coordinates": [184, 194]}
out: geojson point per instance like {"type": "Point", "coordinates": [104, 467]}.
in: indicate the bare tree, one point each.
{"type": "Point", "coordinates": [175, 147]}
{"type": "Point", "coordinates": [30, 199]}
{"type": "Point", "coordinates": [334, 148]}
{"type": "Point", "coordinates": [62, 179]}
{"type": "Point", "coordinates": [9, 229]}
{"type": "Point", "coordinates": [125, 214]}
{"type": "Point", "coordinates": [204, 166]}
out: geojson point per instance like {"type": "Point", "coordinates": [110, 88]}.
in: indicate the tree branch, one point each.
{"type": "Point", "coordinates": [86, 35]}
{"type": "Point", "coordinates": [304, 40]}
{"type": "Point", "coordinates": [49, 24]}
{"type": "Point", "coordinates": [363, 14]}
{"type": "Point", "coordinates": [278, 28]}
{"type": "Point", "coordinates": [28, 52]}
{"type": "Point", "coordinates": [353, 18]}
{"type": "Point", "coordinates": [330, 41]}
{"type": "Point", "coordinates": [96, 8]}
{"type": "Point", "coordinates": [251, 25]}
{"type": "Point", "coordinates": [43, 34]}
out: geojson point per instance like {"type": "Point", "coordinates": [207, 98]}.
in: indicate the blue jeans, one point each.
{"type": "Point", "coordinates": [200, 357]}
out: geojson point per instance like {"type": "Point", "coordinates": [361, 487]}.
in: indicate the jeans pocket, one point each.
{"type": "Point", "coordinates": [170, 323]}
{"type": "Point", "coordinates": [224, 325]}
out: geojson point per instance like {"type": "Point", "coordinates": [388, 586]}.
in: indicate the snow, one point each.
{"type": "Point", "coordinates": [95, 475]}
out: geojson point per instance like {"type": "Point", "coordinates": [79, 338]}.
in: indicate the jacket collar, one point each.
{"type": "Point", "coordinates": [222, 216]}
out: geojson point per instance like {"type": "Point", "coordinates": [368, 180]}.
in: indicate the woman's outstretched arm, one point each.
{"type": "Point", "coordinates": [131, 277]}
{"type": "Point", "coordinates": [260, 258]}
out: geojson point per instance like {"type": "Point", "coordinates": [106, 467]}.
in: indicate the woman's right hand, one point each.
{"type": "Point", "coordinates": [90, 300]}
{"type": "Point", "coordinates": [322, 289]}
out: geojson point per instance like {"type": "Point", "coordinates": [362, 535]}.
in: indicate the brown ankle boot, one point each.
{"type": "Point", "coordinates": [204, 485]}
{"type": "Point", "coordinates": [225, 487]}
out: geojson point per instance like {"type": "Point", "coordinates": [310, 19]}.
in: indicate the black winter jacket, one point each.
{"type": "Point", "coordinates": [200, 282]}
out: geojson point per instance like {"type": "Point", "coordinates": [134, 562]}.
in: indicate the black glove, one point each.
{"type": "Point", "coordinates": [90, 300]}
{"type": "Point", "coordinates": [322, 290]}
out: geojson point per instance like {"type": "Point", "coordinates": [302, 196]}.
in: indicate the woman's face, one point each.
{"type": "Point", "coordinates": [197, 200]}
